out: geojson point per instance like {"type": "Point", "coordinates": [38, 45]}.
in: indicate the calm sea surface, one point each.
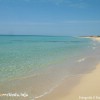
{"type": "Point", "coordinates": [42, 60]}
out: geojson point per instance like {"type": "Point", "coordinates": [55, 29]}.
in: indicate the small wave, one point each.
{"type": "Point", "coordinates": [81, 60]}
{"type": "Point", "coordinates": [93, 48]}
{"type": "Point", "coordinates": [48, 92]}
{"type": "Point", "coordinates": [52, 89]}
{"type": "Point", "coordinates": [94, 44]}
{"type": "Point", "coordinates": [40, 96]}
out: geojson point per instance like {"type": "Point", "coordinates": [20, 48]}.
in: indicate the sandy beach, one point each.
{"type": "Point", "coordinates": [80, 87]}
{"type": "Point", "coordinates": [88, 87]}
{"type": "Point", "coordinates": [85, 87]}
{"type": "Point", "coordinates": [75, 77]}
{"type": "Point", "coordinates": [95, 38]}
{"type": "Point", "coordinates": [49, 49]}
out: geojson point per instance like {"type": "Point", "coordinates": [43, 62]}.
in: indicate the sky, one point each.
{"type": "Point", "coordinates": [50, 17]}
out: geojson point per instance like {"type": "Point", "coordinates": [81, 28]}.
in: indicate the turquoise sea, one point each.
{"type": "Point", "coordinates": [28, 63]}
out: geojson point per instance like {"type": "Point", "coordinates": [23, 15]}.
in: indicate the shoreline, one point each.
{"type": "Point", "coordinates": [89, 86]}
{"type": "Point", "coordinates": [95, 38]}
{"type": "Point", "coordinates": [40, 85]}
{"type": "Point", "coordinates": [82, 87]}
{"type": "Point", "coordinates": [78, 88]}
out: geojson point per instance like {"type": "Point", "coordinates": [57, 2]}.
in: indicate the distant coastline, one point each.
{"type": "Point", "coordinates": [96, 38]}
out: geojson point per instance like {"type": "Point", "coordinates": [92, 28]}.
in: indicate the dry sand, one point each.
{"type": "Point", "coordinates": [85, 87]}
{"type": "Point", "coordinates": [95, 38]}
{"type": "Point", "coordinates": [89, 87]}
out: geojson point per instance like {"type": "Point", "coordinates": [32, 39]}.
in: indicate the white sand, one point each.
{"type": "Point", "coordinates": [89, 87]}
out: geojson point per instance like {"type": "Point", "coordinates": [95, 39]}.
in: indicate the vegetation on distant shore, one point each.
{"type": "Point", "coordinates": [90, 36]}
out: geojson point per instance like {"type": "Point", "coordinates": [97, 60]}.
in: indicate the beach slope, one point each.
{"type": "Point", "coordinates": [88, 88]}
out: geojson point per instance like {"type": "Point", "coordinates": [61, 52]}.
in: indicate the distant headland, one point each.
{"type": "Point", "coordinates": [96, 38]}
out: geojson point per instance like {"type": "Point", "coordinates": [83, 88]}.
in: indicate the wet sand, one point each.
{"type": "Point", "coordinates": [85, 87]}
{"type": "Point", "coordinates": [89, 86]}
{"type": "Point", "coordinates": [78, 87]}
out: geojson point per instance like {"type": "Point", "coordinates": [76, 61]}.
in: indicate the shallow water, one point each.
{"type": "Point", "coordinates": [37, 64]}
